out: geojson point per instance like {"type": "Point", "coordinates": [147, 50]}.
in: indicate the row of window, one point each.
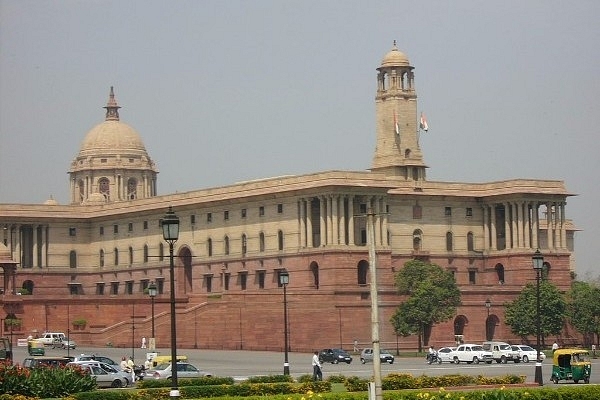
{"type": "Point", "coordinates": [417, 214]}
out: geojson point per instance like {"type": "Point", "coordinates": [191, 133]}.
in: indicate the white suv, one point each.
{"type": "Point", "coordinates": [52, 338]}
{"type": "Point", "coordinates": [472, 353]}
{"type": "Point", "coordinates": [502, 352]}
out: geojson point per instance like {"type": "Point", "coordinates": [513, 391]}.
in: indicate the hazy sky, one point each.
{"type": "Point", "coordinates": [225, 91]}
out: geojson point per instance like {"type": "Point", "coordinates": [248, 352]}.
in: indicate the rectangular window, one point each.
{"type": "Point", "coordinates": [243, 213]}
{"type": "Point", "coordinates": [192, 219]}
{"type": "Point", "coordinates": [469, 212]}
{"type": "Point", "coordinates": [472, 277]}
{"type": "Point", "coordinates": [130, 227]}
{"type": "Point", "coordinates": [114, 288]}
{"type": "Point", "coordinates": [209, 284]}
{"type": "Point", "coordinates": [417, 212]}
{"type": "Point", "coordinates": [279, 208]}
{"type": "Point", "coordinates": [72, 232]}
{"type": "Point", "coordinates": [74, 288]}
{"type": "Point", "coordinates": [226, 215]}
{"type": "Point", "coordinates": [101, 230]}
{"type": "Point", "coordinates": [226, 281]}
{"type": "Point", "coordinates": [160, 285]}
{"type": "Point", "coordinates": [100, 288]}
{"type": "Point", "coordinates": [261, 279]}
{"type": "Point", "coordinates": [208, 217]}
{"type": "Point", "coordinates": [448, 211]}
{"type": "Point", "coordinates": [115, 228]}
{"type": "Point", "coordinates": [144, 285]}
{"type": "Point", "coordinates": [129, 287]}
{"type": "Point", "coordinates": [261, 211]}
{"type": "Point", "coordinates": [363, 236]}
{"type": "Point", "coordinates": [145, 225]}
{"type": "Point", "coordinates": [362, 208]}
{"type": "Point", "coordinates": [243, 280]}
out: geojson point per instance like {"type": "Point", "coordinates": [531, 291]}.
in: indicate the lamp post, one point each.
{"type": "Point", "coordinates": [170, 227]}
{"type": "Point", "coordinates": [488, 333]}
{"type": "Point", "coordinates": [538, 263]}
{"type": "Point", "coordinates": [284, 279]}
{"type": "Point", "coordinates": [152, 292]}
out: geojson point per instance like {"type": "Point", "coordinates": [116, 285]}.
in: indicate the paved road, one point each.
{"type": "Point", "coordinates": [241, 364]}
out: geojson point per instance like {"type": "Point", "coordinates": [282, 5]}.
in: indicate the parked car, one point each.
{"type": "Point", "coordinates": [472, 353]}
{"type": "Point", "coordinates": [528, 353]}
{"type": "Point", "coordinates": [44, 361]}
{"type": "Point", "coordinates": [93, 357]}
{"type": "Point", "coordinates": [446, 354]}
{"type": "Point", "coordinates": [106, 375]}
{"type": "Point", "coordinates": [184, 370]}
{"type": "Point", "coordinates": [65, 343]}
{"type": "Point", "coordinates": [384, 355]}
{"type": "Point", "coordinates": [334, 356]}
{"type": "Point", "coordinates": [502, 352]}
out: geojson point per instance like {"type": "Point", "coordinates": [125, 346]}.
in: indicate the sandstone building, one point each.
{"type": "Point", "coordinates": [94, 258]}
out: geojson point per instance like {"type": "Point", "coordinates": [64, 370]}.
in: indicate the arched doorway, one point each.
{"type": "Point", "coordinates": [490, 326]}
{"type": "Point", "coordinates": [185, 255]}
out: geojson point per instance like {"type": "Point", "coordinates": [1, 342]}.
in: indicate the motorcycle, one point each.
{"type": "Point", "coordinates": [433, 358]}
{"type": "Point", "coordinates": [139, 372]}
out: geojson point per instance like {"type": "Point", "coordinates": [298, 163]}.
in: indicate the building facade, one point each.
{"type": "Point", "coordinates": [91, 261]}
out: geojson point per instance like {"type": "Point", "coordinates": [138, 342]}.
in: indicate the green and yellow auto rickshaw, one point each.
{"type": "Point", "coordinates": [35, 347]}
{"type": "Point", "coordinates": [571, 364]}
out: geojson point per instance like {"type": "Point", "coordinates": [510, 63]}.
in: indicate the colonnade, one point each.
{"type": "Point", "coordinates": [521, 225]}
{"type": "Point", "coordinates": [340, 220]}
{"type": "Point", "coordinates": [118, 186]}
{"type": "Point", "coordinates": [33, 240]}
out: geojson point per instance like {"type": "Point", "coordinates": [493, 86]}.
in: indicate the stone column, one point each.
{"type": "Point", "coordinates": [342, 223]}
{"type": "Point", "coordinates": [486, 227]}
{"type": "Point", "coordinates": [494, 245]}
{"type": "Point", "coordinates": [309, 227]}
{"type": "Point", "coordinates": [350, 220]}
{"type": "Point", "coordinates": [322, 223]}
{"type": "Point", "coordinates": [302, 222]}
{"type": "Point", "coordinates": [549, 223]}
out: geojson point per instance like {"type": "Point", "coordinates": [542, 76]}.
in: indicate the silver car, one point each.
{"type": "Point", "coordinates": [106, 375]}
{"type": "Point", "coordinates": [366, 355]}
{"type": "Point", "coordinates": [184, 370]}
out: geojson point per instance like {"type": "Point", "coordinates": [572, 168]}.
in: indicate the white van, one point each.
{"type": "Point", "coordinates": [50, 338]}
{"type": "Point", "coordinates": [502, 352]}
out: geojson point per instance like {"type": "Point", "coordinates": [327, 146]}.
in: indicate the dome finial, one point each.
{"type": "Point", "coordinates": [112, 108]}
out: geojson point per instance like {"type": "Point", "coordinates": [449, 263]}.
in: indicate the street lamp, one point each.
{"type": "Point", "coordinates": [284, 279]}
{"type": "Point", "coordinates": [170, 228]}
{"type": "Point", "coordinates": [538, 263]}
{"type": "Point", "coordinates": [488, 330]}
{"type": "Point", "coordinates": [152, 292]}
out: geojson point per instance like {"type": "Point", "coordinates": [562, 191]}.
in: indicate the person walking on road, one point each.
{"type": "Point", "coordinates": [316, 364]}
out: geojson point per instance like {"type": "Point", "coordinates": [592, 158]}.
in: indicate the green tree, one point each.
{"type": "Point", "coordinates": [584, 309]}
{"type": "Point", "coordinates": [521, 313]}
{"type": "Point", "coordinates": [433, 297]}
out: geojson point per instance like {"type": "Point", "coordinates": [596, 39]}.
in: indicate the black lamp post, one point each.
{"type": "Point", "coordinates": [488, 331]}
{"type": "Point", "coordinates": [170, 227]}
{"type": "Point", "coordinates": [152, 292]}
{"type": "Point", "coordinates": [284, 279]}
{"type": "Point", "coordinates": [538, 263]}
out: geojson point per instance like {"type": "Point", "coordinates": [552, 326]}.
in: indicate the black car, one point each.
{"type": "Point", "coordinates": [334, 356]}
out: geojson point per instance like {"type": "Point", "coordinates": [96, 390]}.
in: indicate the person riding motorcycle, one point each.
{"type": "Point", "coordinates": [431, 354]}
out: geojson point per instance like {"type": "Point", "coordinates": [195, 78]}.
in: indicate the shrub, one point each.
{"type": "Point", "coordinates": [45, 381]}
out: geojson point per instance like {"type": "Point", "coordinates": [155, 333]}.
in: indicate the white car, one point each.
{"type": "Point", "coordinates": [528, 353]}
{"type": "Point", "coordinates": [472, 354]}
{"type": "Point", "coordinates": [184, 370]}
{"type": "Point", "coordinates": [446, 354]}
{"type": "Point", "coordinates": [106, 375]}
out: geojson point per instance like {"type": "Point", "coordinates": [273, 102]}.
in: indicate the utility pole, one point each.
{"type": "Point", "coordinates": [374, 304]}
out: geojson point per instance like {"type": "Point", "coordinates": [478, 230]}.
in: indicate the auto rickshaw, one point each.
{"type": "Point", "coordinates": [571, 364]}
{"type": "Point", "coordinates": [35, 347]}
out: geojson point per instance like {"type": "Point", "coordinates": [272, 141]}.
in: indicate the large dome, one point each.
{"type": "Point", "coordinates": [395, 58]}
{"type": "Point", "coordinates": [112, 137]}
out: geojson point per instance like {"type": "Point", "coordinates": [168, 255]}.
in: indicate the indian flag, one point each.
{"type": "Point", "coordinates": [423, 123]}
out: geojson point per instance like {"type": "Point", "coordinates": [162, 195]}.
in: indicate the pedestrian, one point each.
{"type": "Point", "coordinates": [143, 342]}
{"type": "Point", "coordinates": [131, 367]}
{"type": "Point", "coordinates": [554, 346]}
{"type": "Point", "coordinates": [123, 365]}
{"type": "Point", "coordinates": [355, 346]}
{"type": "Point", "coordinates": [316, 364]}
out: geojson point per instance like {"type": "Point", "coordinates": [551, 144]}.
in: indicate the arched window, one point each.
{"type": "Point", "coordinates": [545, 271]}
{"type": "Point", "coordinates": [500, 273]}
{"type": "Point", "coordinates": [417, 239]}
{"type": "Point", "coordinates": [161, 251]}
{"type": "Point", "coordinates": [28, 285]}
{"type": "Point", "coordinates": [280, 240]}
{"type": "Point", "coordinates": [209, 247]}
{"type": "Point", "coordinates": [116, 256]}
{"type": "Point", "coordinates": [73, 259]}
{"type": "Point", "coordinates": [101, 257]}
{"type": "Point", "coordinates": [81, 188]}
{"type": "Point", "coordinates": [314, 268]}
{"type": "Point", "coordinates": [104, 187]}
{"type": "Point", "coordinates": [261, 240]}
{"type": "Point", "coordinates": [244, 245]}
{"type": "Point", "coordinates": [145, 253]}
{"type": "Point", "coordinates": [130, 256]}
{"type": "Point", "coordinates": [132, 189]}
{"type": "Point", "coordinates": [448, 241]}
{"type": "Point", "coordinates": [470, 245]}
{"type": "Point", "coordinates": [226, 245]}
{"type": "Point", "coordinates": [363, 268]}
